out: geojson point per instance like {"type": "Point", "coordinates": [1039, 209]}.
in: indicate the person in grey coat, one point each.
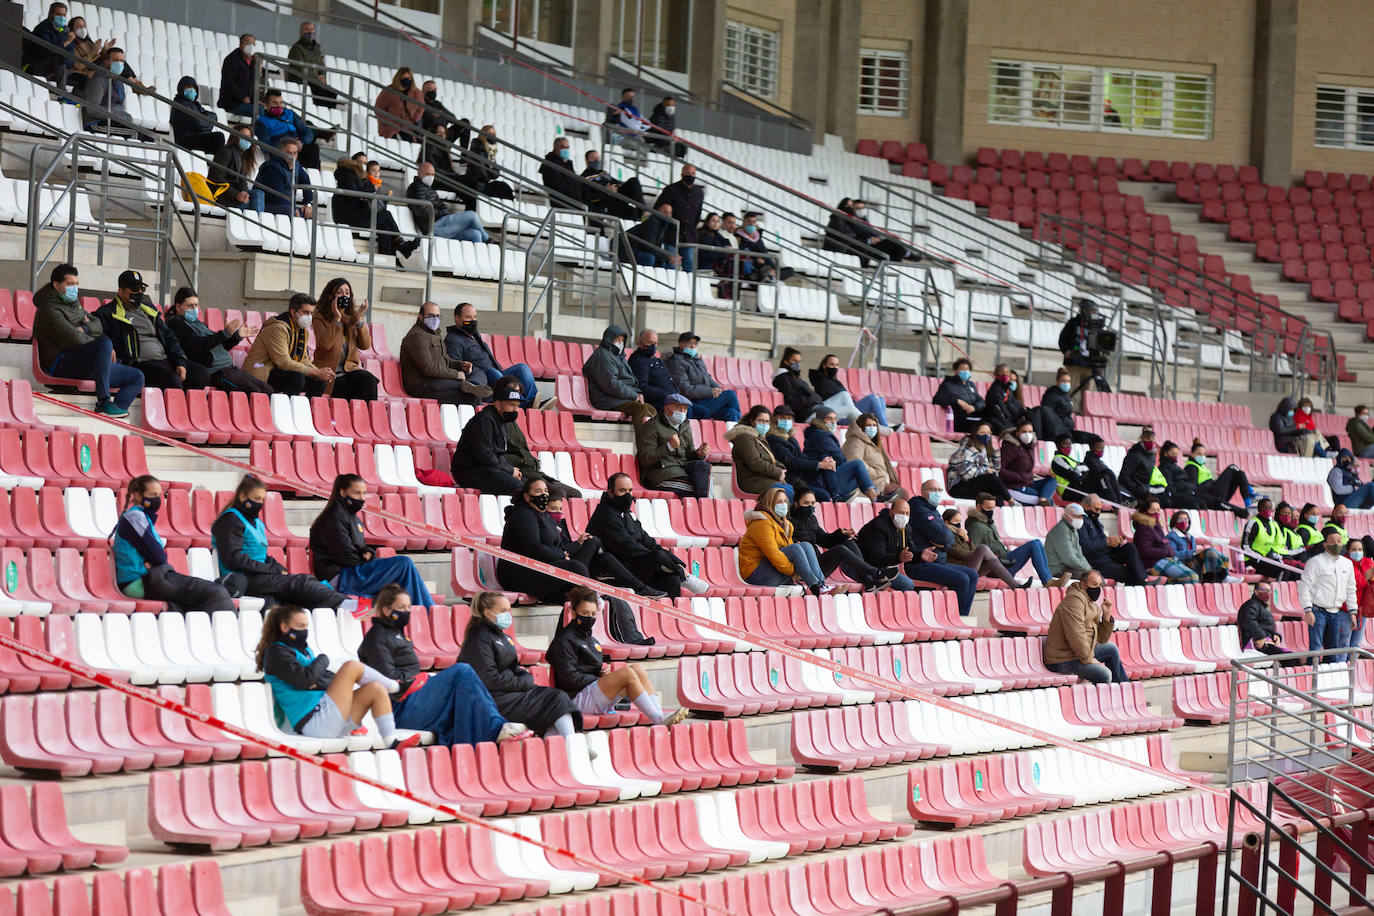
{"type": "Point", "coordinates": [710, 399]}
{"type": "Point", "coordinates": [611, 382]}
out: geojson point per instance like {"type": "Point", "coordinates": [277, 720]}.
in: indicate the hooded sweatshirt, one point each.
{"type": "Point", "coordinates": [610, 381]}
{"type": "Point", "coordinates": [185, 123]}
{"type": "Point", "coordinates": [1282, 426]}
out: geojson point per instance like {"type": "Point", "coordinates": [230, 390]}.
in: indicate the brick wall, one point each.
{"type": "Point", "coordinates": [894, 25]}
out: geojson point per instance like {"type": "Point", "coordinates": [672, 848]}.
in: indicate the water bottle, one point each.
{"type": "Point", "coordinates": [949, 420]}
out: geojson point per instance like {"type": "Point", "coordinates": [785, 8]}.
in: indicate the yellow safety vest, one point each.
{"type": "Point", "coordinates": [1157, 478]}
{"type": "Point", "coordinates": [1309, 534]}
{"type": "Point", "coordinates": [1203, 475]}
{"type": "Point", "coordinates": [1265, 537]}
{"type": "Point", "coordinates": [1062, 483]}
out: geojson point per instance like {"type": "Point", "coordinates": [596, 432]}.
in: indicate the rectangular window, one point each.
{"type": "Point", "coordinates": [1077, 97]}
{"type": "Point", "coordinates": [1345, 117]}
{"type": "Point", "coordinates": [884, 82]}
{"type": "Point", "coordinates": [751, 59]}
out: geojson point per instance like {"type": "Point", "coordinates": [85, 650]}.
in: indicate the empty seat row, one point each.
{"type": "Point", "coordinates": [35, 838]}
{"type": "Point", "coordinates": [982, 790]}
{"type": "Point", "coordinates": [882, 733]}
{"type": "Point", "coordinates": [171, 890]}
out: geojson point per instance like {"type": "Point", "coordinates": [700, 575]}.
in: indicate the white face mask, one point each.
{"type": "Point", "coordinates": [900, 521]}
{"type": "Point", "coordinates": [81, 33]}
{"type": "Point", "coordinates": [427, 180]}
{"type": "Point", "coordinates": [670, 110]}
{"type": "Point", "coordinates": [250, 49]}
{"type": "Point", "coordinates": [1364, 418]}
{"type": "Point", "coordinates": [1075, 523]}
{"type": "Point", "coordinates": [676, 418]}
{"type": "Point", "coordinates": [1026, 438]}
{"type": "Point", "coordinates": [934, 497]}
{"type": "Point", "coordinates": [303, 321]}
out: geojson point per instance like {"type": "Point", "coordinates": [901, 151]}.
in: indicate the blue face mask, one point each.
{"type": "Point", "coordinates": [780, 509]}
{"type": "Point", "coordinates": [963, 375]}
{"type": "Point", "coordinates": [59, 22]}
{"type": "Point", "coordinates": [871, 432]}
{"type": "Point", "coordinates": [785, 425]}
{"type": "Point", "coordinates": [503, 620]}
{"type": "Point", "coordinates": [1290, 414]}
{"type": "Point", "coordinates": [984, 438]}
{"type": "Point", "coordinates": [70, 294]}
{"type": "Point", "coordinates": [117, 67]}
{"type": "Point", "coordinates": [761, 428]}
{"type": "Point", "coordinates": [245, 144]}
{"type": "Point", "coordinates": [565, 153]}
{"type": "Point", "coordinates": [192, 314]}
{"type": "Point", "coordinates": [1313, 520]}
{"type": "Point", "coordinates": [189, 93]}
{"type": "Point", "coordinates": [690, 351]}
{"type": "Point", "coordinates": [1064, 387]}
{"type": "Point", "coordinates": [1011, 386]}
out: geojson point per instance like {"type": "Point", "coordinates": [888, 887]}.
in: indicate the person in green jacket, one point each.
{"type": "Point", "coordinates": [981, 528]}
{"type": "Point", "coordinates": [668, 457]}
{"type": "Point", "coordinates": [1361, 433]}
{"type": "Point", "coordinates": [1062, 550]}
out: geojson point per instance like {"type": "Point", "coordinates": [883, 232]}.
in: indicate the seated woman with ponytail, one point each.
{"type": "Point", "coordinates": [308, 698]}
{"type": "Point", "coordinates": [341, 557]}
{"type": "Point", "coordinates": [240, 541]}
{"type": "Point", "coordinates": [491, 653]}
{"type": "Point", "coordinates": [140, 557]}
{"type": "Point", "coordinates": [453, 704]}
{"type": "Point", "coordinates": [581, 671]}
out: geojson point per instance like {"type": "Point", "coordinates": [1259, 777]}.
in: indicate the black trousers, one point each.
{"type": "Point", "coordinates": [159, 373]}
{"type": "Point", "coordinates": [545, 588]}
{"type": "Point", "coordinates": [285, 588]}
{"type": "Point", "coordinates": [650, 570]}
{"type": "Point", "coordinates": [211, 142]}
{"type": "Point", "coordinates": [1277, 650]}
{"type": "Point", "coordinates": [845, 555]}
{"type": "Point", "coordinates": [1121, 563]}
{"type": "Point", "coordinates": [286, 381]}
{"type": "Point", "coordinates": [232, 378]}
{"type": "Point", "coordinates": [355, 385]}
{"type": "Point", "coordinates": [986, 483]}
{"type": "Point", "coordinates": [184, 593]}
{"type": "Point", "coordinates": [488, 480]}
{"type": "Point", "coordinates": [1225, 485]}
{"type": "Point", "coordinates": [603, 566]}
{"type": "Point", "coordinates": [1270, 570]}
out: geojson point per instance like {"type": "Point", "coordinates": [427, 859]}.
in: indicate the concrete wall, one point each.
{"type": "Point", "coordinates": [893, 25]}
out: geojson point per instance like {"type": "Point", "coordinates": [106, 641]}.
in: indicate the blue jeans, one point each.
{"type": "Point", "coordinates": [1331, 630]}
{"type": "Point", "coordinates": [848, 476]}
{"type": "Point", "coordinates": [455, 705]}
{"type": "Point", "coordinates": [94, 361]}
{"type": "Point", "coordinates": [257, 201]}
{"type": "Point", "coordinates": [367, 579]}
{"type": "Point", "coordinates": [1043, 488]}
{"type": "Point", "coordinates": [1355, 635]}
{"type": "Point", "coordinates": [804, 561]}
{"type": "Point", "coordinates": [243, 108]}
{"type": "Point", "coordinates": [961, 579]}
{"type": "Point", "coordinates": [874, 404]}
{"type": "Point", "coordinates": [1033, 551]}
{"type": "Point", "coordinates": [725, 407]}
{"type": "Point", "coordinates": [1108, 671]}
{"type": "Point", "coordinates": [688, 255]}
{"type": "Point", "coordinates": [462, 225]}
{"type": "Point", "coordinates": [1362, 497]}
{"type": "Point", "coordinates": [521, 372]}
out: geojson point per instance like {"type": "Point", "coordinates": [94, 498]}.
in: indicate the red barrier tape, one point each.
{"type": "Point", "coordinates": [286, 750]}
{"type": "Point", "coordinates": [665, 608]}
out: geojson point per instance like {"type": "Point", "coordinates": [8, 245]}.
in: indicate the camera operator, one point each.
{"type": "Point", "coordinates": [1085, 355]}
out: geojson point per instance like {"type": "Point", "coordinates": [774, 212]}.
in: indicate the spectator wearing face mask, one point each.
{"type": "Point", "coordinates": [1219, 487]}
{"type": "Point", "coordinates": [710, 399]}
{"type": "Point", "coordinates": [756, 468]}
{"type": "Point", "coordinates": [981, 525]}
{"type": "Point", "coordinates": [914, 538]}
{"type": "Point", "coordinates": [463, 225]}
{"type": "Point", "coordinates": [437, 115]}
{"type": "Point", "coordinates": [822, 441]}
{"type": "Point", "coordinates": [192, 124]}
{"type": "Point", "coordinates": [611, 383]}
{"type": "Point", "coordinates": [1344, 481]}
{"type": "Point", "coordinates": [956, 393]}
{"type": "Point", "coordinates": [275, 123]}
{"type": "Point", "coordinates": [239, 539]}
{"type": "Point", "coordinates": [623, 537]}
{"type": "Point", "coordinates": [341, 557]}
{"type": "Point", "coordinates": [800, 396]}
{"type": "Point", "coordinates": [801, 470]}
{"type": "Point", "coordinates": [480, 457]}
{"type": "Point", "coordinates": [1075, 479]}
{"type": "Point", "coordinates": [1266, 543]}
{"type": "Point", "coordinates": [588, 550]}
{"type": "Point", "coordinates": [763, 266]}
{"type": "Point", "coordinates": [531, 533]}
{"type": "Point", "coordinates": [86, 50]}
{"type": "Point", "coordinates": [309, 57]}
{"type": "Point", "coordinates": [399, 107]}
{"type": "Point", "coordinates": [427, 371]}
{"type": "Point", "coordinates": [664, 117]}
{"type": "Point", "coordinates": [210, 349]}
{"type": "Point", "coordinates": [863, 441]}
{"type": "Point", "coordinates": [825, 379]}
{"type": "Point", "coordinates": [1255, 620]}
{"type": "Point", "coordinates": [1002, 407]}
{"type": "Point", "coordinates": [686, 197]}
{"type": "Point", "coordinates": [364, 214]}
{"type": "Point", "coordinates": [1360, 433]}
{"type": "Point", "coordinates": [1079, 638]}
{"type": "Point", "coordinates": [1141, 476]}
{"type": "Point", "coordinates": [556, 172]}
{"type": "Point", "coordinates": [1295, 429]}
{"type": "Point", "coordinates": [236, 77]}
{"type": "Point", "coordinates": [483, 173]}
{"type": "Point", "coordinates": [667, 456]}
{"type": "Point", "coordinates": [1062, 550]}
{"type": "Point", "coordinates": [974, 467]}
{"type": "Point", "coordinates": [1340, 518]}
{"type": "Point", "coordinates": [1155, 549]}
{"type": "Point", "coordinates": [1355, 551]}
{"type": "Point", "coordinates": [235, 167]}
{"type": "Point", "coordinates": [651, 373]}
{"type": "Point", "coordinates": [1182, 492]}
{"type": "Point", "coordinates": [463, 341]}
{"type": "Point", "coordinates": [1055, 416]}
{"type": "Point", "coordinates": [141, 568]}
{"type": "Point", "coordinates": [1308, 528]}
{"type": "Point", "coordinates": [837, 549]}
{"type": "Point", "coordinates": [43, 61]}
{"type": "Point", "coordinates": [1207, 562]}
{"type": "Point", "coordinates": [279, 356]}
{"type": "Point", "coordinates": [768, 554]}
{"type": "Point", "coordinates": [978, 558]}
{"type": "Point", "coordinates": [1111, 554]}
{"type": "Point", "coordinates": [1329, 598]}
{"type": "Point", "coordinates": [71, 343]}
{"type": "Point", "coordinates": [1017, 471]}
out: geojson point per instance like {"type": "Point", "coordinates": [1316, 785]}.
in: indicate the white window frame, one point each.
{"type": "Point", "coordinates": [1351, 134]}
{"type": "Point", "coordinates": [1035, 94]}
{"type": "Point", "coordinates": [753, 58]}
{"type": "Point", "coordinates": [872, 99]}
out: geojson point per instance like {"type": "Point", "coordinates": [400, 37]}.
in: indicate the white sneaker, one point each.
{"type": "Point", "coordinates": [1232, 580]}
{"type": "Point", "coordinates": [513, 730]}
{"type": "Point", "coordinates": [695, 585]}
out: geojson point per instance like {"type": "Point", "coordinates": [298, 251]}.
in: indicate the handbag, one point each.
{"type": "Point", "coordinates": [201, 190]}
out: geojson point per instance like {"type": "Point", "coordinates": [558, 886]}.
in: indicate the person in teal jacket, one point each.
{"type": "Point", "coordinates": [140, 557]}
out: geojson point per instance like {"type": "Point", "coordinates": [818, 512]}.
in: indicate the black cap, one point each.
{"type": "Point", "coordinates": [507, 392]}
{"type": "Point", "coordinates": [686, 336]}
{"type": "Point", "coordinates": [132, 279]}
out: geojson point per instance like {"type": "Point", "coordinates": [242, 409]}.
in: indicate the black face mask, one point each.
{"type": "Point", "coordinates": [354, 505]}
{"type": "Point", "coordinates": [153, 506]}
{"type": "Point", "coordinates": [1172, 460]}
{"type": "Point", "coordinates": [583, 625]}
{"type": "Point", "coordinates": [1094, 593]}
{"type": "Point", "coordinates": [250, 508]}
{"type": "Point", "coordinates": [510, 416]}
{"type": "Point", "coordinates": [431, 96]}
{"type": "Point", "coordinates": [540, 501]}
{"type": "Point", "coordinates": [297, 639]}
{"type": "Point", "coordinates": [832, 371]}
{"type": "Point", "coordinates": [469, 327]}
{"type": "Point", "coordinates": [803, 512]}
{"type": "Point", "coordinates": [398, 619]}
{"type": "Point", "coordinates": [689, 180]}
{"type": "Point", "coordinates": [621, 502]}
{"type": "Point", "coordinates": [407, 83]}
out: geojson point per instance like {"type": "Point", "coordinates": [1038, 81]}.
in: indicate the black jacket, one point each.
{"type": "Point", "coordinates": [235, 80]}
{"type": "Point", "coordinates": [493, 658]}
{"type": "Point", "coordinates": [576, 660]}
{"type": "Point", "coordinates": [825, 384]}
{"type": "Point", "coordinates": [418, 190]}
{"type": "Point", "coordinates": [659, 117]}
{"type": "Point", "coordinates": [801, 468]}
{"type": "Point", "coordinates": [1068, 342]}
{"type": "Point", "coordinates": [1001, 408]}
{"type": "Point", "coordinates": [1255, 621]}
{"type": "Point", "coordinates": [183, 116]}
{"type": "Point", "coordinates": [796, 393]}
{"type": "Point", "coordinates": [387, 648]}
{"type": "Point", "coordinates": [460, 345]}
{"type": "Point", "coordinates": [558, 176]}
{"type": "Point", "coordinates": [620, 532]}
{"type": "Point", "coordinates": [1282, 426]}
{"type": "Point", "coordinates": [352, 211]}
{"type": "Point", "coordinates": [686, 206]}
{"type": "Point", "coordinates": [1136, 469]}
{"type": "Point", "coordinates": [1179, 484]}
{"type": "Point", "coordinates": [483, 443]}
{"type": "Point", "coordinates": [882, 542]}
{"type": "Point", "coordinates": [336, 541]}
{"type": "Point", "coordinates": [198, 347]}
{"type": "Point", "coordinates": [227, 535]}
{"type": "Point", "coordinates": [531, 534]}
{"type": "Point", "coordinates": [125, 339]}
{"type": "Point", "coordinates": [1092, 538]}
{"type": "Point", "coordinates": [654, 379]}
{"type": "Point", "coordinates": [808, 528]}
{"type": "Point", "coordinates": [1056, 414]}
{"type": "Point", "coordinates": [928, 530]}
{"type": "Point", "coordinates": [951, 390]}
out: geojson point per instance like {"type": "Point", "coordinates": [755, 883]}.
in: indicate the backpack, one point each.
{"type": "Point", "coordinates": [621, 624]}
{"type": "Point", "coordinates": [199, 189]}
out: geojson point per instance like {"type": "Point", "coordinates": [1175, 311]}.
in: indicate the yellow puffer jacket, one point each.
{"type": "Point", "coordinates": [764, 537]}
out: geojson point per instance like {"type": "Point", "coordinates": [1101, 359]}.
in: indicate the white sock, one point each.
{"type": "Point", "coordinates": [349, 606]}
{"type": "Point", "coordinates": [371, 675]}
{"type": "Point", "coordinates": [647, 703]}
{"type": "Point", "coordinates": [386, 725]}
{"type": "Point", "coordinates": [562, 726]}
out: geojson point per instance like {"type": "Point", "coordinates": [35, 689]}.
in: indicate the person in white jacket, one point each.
{"type": "Point", "coordinates": [1326, 592]}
